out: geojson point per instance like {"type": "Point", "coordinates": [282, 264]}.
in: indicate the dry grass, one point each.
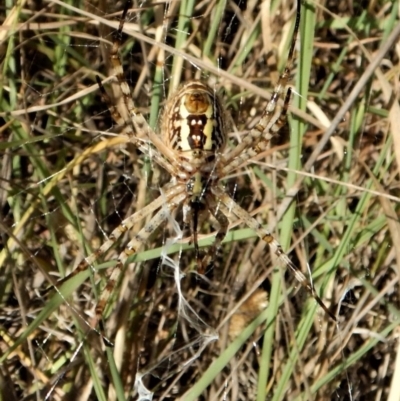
{"type": "Point", "coordinates": [66, 182]}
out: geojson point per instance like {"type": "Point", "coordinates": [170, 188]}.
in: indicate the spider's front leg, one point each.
{"type": "Point", "coordinates": [223, 224]}
{"type": "Point", "coordinates": [166, 203]}
{"type": "Point", "coordinates": [200, 204]}
{"type": "Point", "coordinates": [229, 206]}
{"type": "Point", "coordinates": [203, 208]}
{"type": "Point", "coordinates": [139, 239]}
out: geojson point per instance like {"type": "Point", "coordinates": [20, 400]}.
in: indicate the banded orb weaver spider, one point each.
{"type": "Point", "coordinates": [192, 149]}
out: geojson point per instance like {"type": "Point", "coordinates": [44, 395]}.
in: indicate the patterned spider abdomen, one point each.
{"type": "Point", "coordinates": [193, 121]}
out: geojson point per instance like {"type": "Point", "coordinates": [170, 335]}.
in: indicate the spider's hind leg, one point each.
{"type": "Point", "coordinates": [273, 132]}
{"type": "Point", "coordinates": [266, 126]}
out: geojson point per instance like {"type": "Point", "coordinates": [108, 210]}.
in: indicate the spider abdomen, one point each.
{"type": "Point", "coordinates": [193, 123]}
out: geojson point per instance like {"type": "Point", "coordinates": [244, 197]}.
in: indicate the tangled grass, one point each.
{"type": "Point", "coordinates": [329, 187]}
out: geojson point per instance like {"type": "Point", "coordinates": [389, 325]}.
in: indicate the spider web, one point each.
{"type": "Point", "coordinates": [173, 331]}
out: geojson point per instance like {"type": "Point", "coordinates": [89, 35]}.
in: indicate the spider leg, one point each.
{"type": "Point", "coordinates": [195, 220]}
{"type": "Point", "coordinates": [205, 263]}
{"type": "Point", "coordinates": [131, 249]}
{"type": "Point", "coordinates": [168, 201]}
{"type": "Point", "coordinates": [138, 123]}
{"type": "Point", "coordinates": [268, 119]}
{"type": "Point", "coordinates": [128, 131]}
{"type": "Point", "coordinates": [127, 224]}
{"type": "Point", "coordinates": [262, 145]}
{"type": "Point", "coordinates": [230, 206]}
{"type": "Point", "coordinates": [223, 225]}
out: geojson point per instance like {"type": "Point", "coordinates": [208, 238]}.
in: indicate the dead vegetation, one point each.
{"type": "Point", "coordinates": [67, 180]}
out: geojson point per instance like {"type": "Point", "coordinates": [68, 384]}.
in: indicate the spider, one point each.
{"type": "Point", "coordinates": [191, 148]}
